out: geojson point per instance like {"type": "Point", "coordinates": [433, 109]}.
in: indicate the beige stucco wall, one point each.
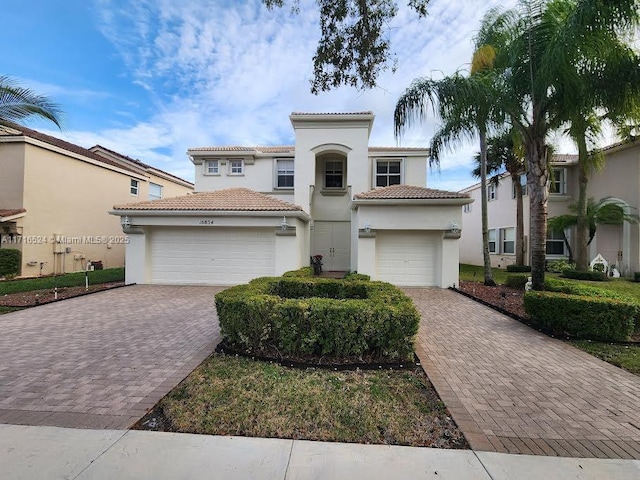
{"type": "Point", "coordinates": [68, 198]}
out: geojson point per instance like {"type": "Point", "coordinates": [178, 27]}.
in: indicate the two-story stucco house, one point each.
{"type": "Point", "coordinates": [265, 210]}
{"type": "Point", "coordinates": [618, 244]}
{"type": "Point", "coordinates": [55, 197]}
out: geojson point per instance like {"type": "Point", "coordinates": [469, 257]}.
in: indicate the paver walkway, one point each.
{"type": "Point", "coordinates": [512, 389]}
{"type": "Point", "coordinates": [102, 360]}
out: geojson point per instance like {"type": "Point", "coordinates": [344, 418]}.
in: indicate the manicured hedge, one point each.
{"type": "Point", "coordinates": [372, 319]}
{"type": "Point", "coordinates": [516, 281]}
{"type": "Point", "coordinates": [9, 261]}
{"type": "Point", "coordinates": [357, 276]}
{"type": "Point", "coordinates": [596, 318]}
{"type": "Point", "coordinates": [301, 272]}
{"type": "Point", "coordinates": [593, 276]}
{"type": "Point", "coordinates": [518, 268]}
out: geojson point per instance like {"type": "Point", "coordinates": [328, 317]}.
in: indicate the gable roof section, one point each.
{"type": "Point", "coordinates": [16, 130]}
{"type": "Point", "coordinates": [7, 214]}
{"type": "Point", "coordinates": [408, 192]}
{"type": "Point", "coordinates": [126, 159]}
{"type": "Point", "coordinates": [230, 199]}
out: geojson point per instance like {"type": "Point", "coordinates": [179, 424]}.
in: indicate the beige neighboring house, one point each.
{"type": "Point", "coordinates": [55, 197]}
{"type": "Point", "coordinates": [261, 211]}
{"type": "Point", "coordinates": [619, 179]}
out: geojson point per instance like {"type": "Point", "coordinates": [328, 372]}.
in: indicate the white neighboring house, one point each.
{"type": "Point", "coordinates": [619, 245]}
{"type": "Point", "coordinates": [262, 211]}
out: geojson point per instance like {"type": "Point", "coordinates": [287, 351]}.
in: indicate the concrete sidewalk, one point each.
{"type": "Point", "coordinates": [62, 453]}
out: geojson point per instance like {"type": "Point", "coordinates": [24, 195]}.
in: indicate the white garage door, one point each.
{"type": "Point", "coordinates": [218, 256]}
{"type": "Point", "coordinates": [407, 257]}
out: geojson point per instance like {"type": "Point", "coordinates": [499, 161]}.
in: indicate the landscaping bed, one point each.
{"type": "Point", "coordinates": [229, 395]}
{"type": "Point", "coordinates": [38, 297]}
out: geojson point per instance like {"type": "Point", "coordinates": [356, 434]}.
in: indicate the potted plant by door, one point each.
{"type": "Point", "coordinates": [316, 263]}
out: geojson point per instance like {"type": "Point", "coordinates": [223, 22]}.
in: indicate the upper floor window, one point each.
{"type": "Point", "coordinates": [508, 240]}
{"type": "Point", "coordinates": [212, 167]}
{"type": "Point", "coordinates": [492, 192]}
{"type": "Point", "coordinates": [523, 183]}
{"type": "Point", "coordinates": [333, 174]}
{"type": "Point", "coordinates": [284, 173]}
{"type": "Point", "coordinates": [466, 208]}
{"type": "Point", "coordinates": [236, 167]}
{"type": "Point", "coordinates": [388, 173]}
{"type": "Point", "coordinates": [135, 187]}
{"type": "Point", "coordinates": [555, 243]}
{"type": "Point", "coordinates": [558, 184]}
{"type": "Point", "coordinates": [155, 191]}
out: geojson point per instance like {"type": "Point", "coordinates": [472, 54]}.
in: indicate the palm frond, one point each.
{"type": "Point", "coordinates": [18, 103]}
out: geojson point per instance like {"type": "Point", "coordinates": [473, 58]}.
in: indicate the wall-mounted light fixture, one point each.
{"type": "Point", "coordinates": [284, 225]}
{"type": "Point", "coordinates": [125, 222]}
{"type": "Point", "coordinates": [455, 228]}
{"type": "Point", "coordinates": [367, 226]}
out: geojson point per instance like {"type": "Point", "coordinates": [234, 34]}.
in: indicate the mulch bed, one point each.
{"type": "Point", "coordinates": [39, 297]}
{"type": "Point", "coordinates": [506, 298]}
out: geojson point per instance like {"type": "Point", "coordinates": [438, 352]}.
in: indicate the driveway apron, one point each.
{"type": "Point", "coordinates": [513, 389]}
{"type": "Point", "coordinates": [102, 360]}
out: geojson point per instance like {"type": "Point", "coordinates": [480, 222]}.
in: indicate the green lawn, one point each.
{"type": "Point", "coordinates": [67, 280]}
{"type": "Point", "coordinates": [627, 357]}
{"type": "Point", "coordinates": [474, 273]}
{"type": "Point", "coordinates": [237, 396]}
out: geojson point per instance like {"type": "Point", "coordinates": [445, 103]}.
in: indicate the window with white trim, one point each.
{"type": "Point", "coordinates": [388, 172]}
{"type": "Point", "coordinates": [212, 167]}
{"type": "Point", "coordinates": [135, 187]}
{"type": "Point", "coordinates": [466, 208]}
{"type": "Point", "coordinates": [493, 240]}
{"type": "Point", "coordinates": [523, 183]}
{"type": "Point", "coordinates": [236, 167]}
{"type": "Point", "coordinates": [559, 183]}
{"type": "Point", "coordinates": [334, 173]}
{"type": "Point", "coordinates": [508, 236]}
{"type": "Point", "coordinates": [284, 173]}
{"type": "Point", "coordinates": [155, 191]}
{"type": "Point", "coordinates": [555, 243]}
{"type": "Point", "coordinates": [492, 192]}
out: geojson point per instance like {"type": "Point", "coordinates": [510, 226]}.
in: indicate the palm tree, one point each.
{"type": "Point", "coordinates": [534, 48]}
{"type": "Point", "coordinates": [465, 106]}
{"type": "Point", "coordinates": [503, 154]}
{"type": "Point", "coordinates": [606, 211]}
{"type": "Point", "coordinates": [18, 103]}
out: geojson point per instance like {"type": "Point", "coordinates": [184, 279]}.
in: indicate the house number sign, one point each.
{"type": "Point", "coordinates": [205, 222]}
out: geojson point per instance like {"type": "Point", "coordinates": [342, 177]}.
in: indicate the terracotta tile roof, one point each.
{"type": "Point", "coordinates": [401, 192]}
{"type": "Point", "coordinates": [10, 212]}
{"type": "Point", "coordinates": [230, 199]}
{"type": "Point", "coordinates": [564, 158]}
{"type": "Point", "coordinates": [271, 149]}
{"type": "Point", "coordinates": [56, 142]}
{"type": "Point", "coordinates": [96, 149]}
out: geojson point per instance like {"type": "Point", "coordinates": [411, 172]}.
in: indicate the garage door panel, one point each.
{"type": "Point", "coordinates": [408, 257]}
{"type": "Point", "coordinates": [221, 256]}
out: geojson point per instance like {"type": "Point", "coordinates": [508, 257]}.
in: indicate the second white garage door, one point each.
{"type": "Point", "coordinates": [216, 256]}
{"type": "Point", "coordinates": [408, 258]}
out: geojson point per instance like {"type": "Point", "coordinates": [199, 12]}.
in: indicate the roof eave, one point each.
{"type": "Point", "coordinates": [410, 201]}
{"type": "Point", "coordinates": [211, 213]}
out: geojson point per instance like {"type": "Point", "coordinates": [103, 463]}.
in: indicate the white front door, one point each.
{"type": "Point", "coordinates": [332, 240]}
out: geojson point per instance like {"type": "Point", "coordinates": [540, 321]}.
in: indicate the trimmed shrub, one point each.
{"type": "Point", "coordinates": [295, 317]}
{"type": "Point", "coordinates": [9, 262]}
{"type": "Point", "coordinates": [518, 268]}
{"type": "Point", "coordinates": [357, 276]}
{"type": "Point", "coordinates": [516, 281]}
{"type": "Point", "coordinates": [301, 272]}
{"type": "Point", "coordinates": [559, 266]}
{"type": "Point", "coordinates": [591, 275]}
{"type": "Point", "coordinates": [596, 318]}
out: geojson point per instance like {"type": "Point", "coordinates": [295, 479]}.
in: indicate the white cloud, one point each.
{"type": "Point", "coordinates": [222, 73]}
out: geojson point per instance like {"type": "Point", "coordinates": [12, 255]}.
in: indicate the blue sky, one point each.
{"type": "Point", "coordinates": [151, 78]}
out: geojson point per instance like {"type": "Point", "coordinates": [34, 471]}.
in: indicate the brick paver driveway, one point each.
{"type": "Point", "coordinates": [512, 389]}
{"type": "Point", "coordinates": [102, 360]}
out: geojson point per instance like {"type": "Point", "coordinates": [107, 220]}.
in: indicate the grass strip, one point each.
{"type": "Point", "coordinates": [67, 280]}
{"type": "Point", "coordinates": [623, 356]}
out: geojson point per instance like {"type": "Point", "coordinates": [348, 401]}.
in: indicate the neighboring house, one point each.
{"type": "Point", "coordinates": [265, 210]}
{"type": "Point", "coordinates": [619, 245]}
{"type": "Point", "coordinates": [54, 199]}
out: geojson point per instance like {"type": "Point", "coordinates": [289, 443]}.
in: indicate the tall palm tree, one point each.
{"type": "Point", "coordinates": [504, 154]}
{"type": "Point", "coordinates": [18, 103]}
{"type": "Point", "coordinates": [465, 105]}
{"type": "Point", "coordinates": [534, 47]}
